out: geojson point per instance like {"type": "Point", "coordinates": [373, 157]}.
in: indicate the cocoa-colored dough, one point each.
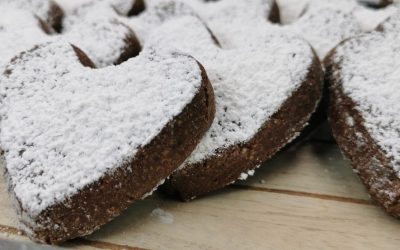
{"type": "Point", "coordinates": [366, 157]}
{"type": "Point", "coordinates": [226, 167]}
{"type": "Point", "coordinates": [103, 200]}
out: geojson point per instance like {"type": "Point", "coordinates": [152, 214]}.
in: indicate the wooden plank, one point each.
{"type": "Point", "coordinates": [243, 219]}
{"type": "Point", "coordinates": [7, 216]}
{"type": "Point", "coordinates": [75, 245]}
{"type": "Point", "coordinates": [317, 168]}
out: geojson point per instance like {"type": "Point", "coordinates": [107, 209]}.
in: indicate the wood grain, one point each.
{"type": "Point", "coordinates": [317, 168]}
{"type": "Point", "coordinates": [305, 198]}
{"type": "Point", "coordinates": [241, 219]}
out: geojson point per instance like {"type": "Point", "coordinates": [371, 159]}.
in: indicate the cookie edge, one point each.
{"type": "Point", "coordinates": [225, 168]}
{"type": "Point", "coordinates": [366, 157]}
{"type": "Point", "coordinates": [101, 201]}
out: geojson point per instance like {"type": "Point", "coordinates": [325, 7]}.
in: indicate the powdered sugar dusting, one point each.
{"type": "Point", "coordinates": [291, 10]}
{"type": "Point", "coordinates": [162, 215]}
{"type": "Point", "coordinates": [325, 23]}
{"type": "Point", "coordinates": [20, 30]}
{"type": "Point", "coordinates": [393, 23]}
{"type": "Point", "coordinates": [122, 6]}
{"type": "Point", "coordinates": [370, 74]}
{"type": "Point", "coordinates": [215, 15]}
{"type": "Point", "coordinates": [112, 34]}
{"type": "Point", "coordinates": [369, 19]}
{"type": "Point", "coordinates": [64, 125]}
{"type": "Point", "coordinates": [238, 14]}
{"type": "Point", "coordinates": [39, 7]}
{"type": "Point", "coordinates": [249, 83]}
{"type": "Point", "coordinates": [156, 15]}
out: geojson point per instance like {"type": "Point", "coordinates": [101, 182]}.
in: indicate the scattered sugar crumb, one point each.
{"type": "Point", "coordinates": [243, 176]}
{"type": "Point", "coordinates": [251, 172]}
{"type": "Point", "coordinates": [163, 216]}
{"type": "Point", "coordinates": [350, 121]}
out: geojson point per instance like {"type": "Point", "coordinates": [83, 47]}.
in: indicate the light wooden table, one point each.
{"type": "Point", "coordinates": [305, 198]}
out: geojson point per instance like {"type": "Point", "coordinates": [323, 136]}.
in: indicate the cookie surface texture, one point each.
{"type": "Point", "coordinates": [81, 144]}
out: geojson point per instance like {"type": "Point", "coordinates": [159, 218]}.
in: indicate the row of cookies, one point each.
{"type": "Point", "coordinates": [81, 143]}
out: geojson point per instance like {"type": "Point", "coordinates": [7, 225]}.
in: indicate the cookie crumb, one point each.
{"type": "Point", "coordinates": [162, 215]}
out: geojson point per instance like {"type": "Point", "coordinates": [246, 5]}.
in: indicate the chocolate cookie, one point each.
{"type": "Point", "coordinates": [363, 74]}
{"type": "Point", "coordinates": [258, 84]}
{"type": "Point", "coordinates": [81, 144]}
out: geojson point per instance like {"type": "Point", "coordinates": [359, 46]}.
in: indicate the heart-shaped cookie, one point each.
{"type": "Point", "coordinates": [81, 144]}
{"type": "Point", "coordinates": [364, 77]}
{"type": "Point", "coordinates": [257, 88]}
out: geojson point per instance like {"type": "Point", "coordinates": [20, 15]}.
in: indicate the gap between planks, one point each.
{"type": "Point", "coordinates": [303, 194]}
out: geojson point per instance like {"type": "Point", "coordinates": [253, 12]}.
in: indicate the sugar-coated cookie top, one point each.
{"type": "Point", "coordinates": [369, 18]}
{"type": "Point", "coordinates": [325, 24]}
{"type": "Point", "coordinates": [63, 125]}
{"type": "Point", "coordinates": [103, 39]}
{"type": "Point", "coordinates": [366, 13]}
{"type": "Point", "coordinates": [239, 15]}
{"type": "Point", "coordinates": [250, 82]}
{"type": "Point", "coordinates": [370, 75]}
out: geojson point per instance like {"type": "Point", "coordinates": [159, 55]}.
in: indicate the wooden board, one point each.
{"type": "Point", "coordinates": [305, 198]}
